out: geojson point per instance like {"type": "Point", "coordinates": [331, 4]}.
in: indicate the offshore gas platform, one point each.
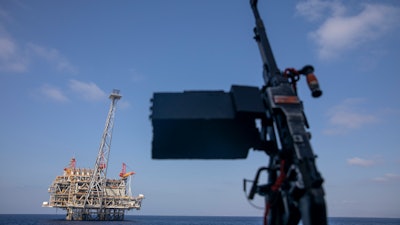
{"type": "Point", "coordinates": [87, 194]}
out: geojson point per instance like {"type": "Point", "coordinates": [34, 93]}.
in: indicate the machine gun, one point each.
{"type": "Point", "coordinates": [221, 125]}
{"type": "Point", "coordinates": [294, 190]}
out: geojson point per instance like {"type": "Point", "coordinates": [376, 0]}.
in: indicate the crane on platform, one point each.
{"type": "Point", "coordinates": [125, 174]}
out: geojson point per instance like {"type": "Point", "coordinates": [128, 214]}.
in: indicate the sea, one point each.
{"type": "Point", "coordinates": [57, 219]}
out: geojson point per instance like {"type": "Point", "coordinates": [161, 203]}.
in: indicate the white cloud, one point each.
{"type": "Point", "coordinates": [361, 162]}
{"type": "Point", "coordinates": [16, 58]}
{"type": "Point", "coordinates": [53, 93]}
{"type": "Point", "coordinates": [348, 115]}
{"type": "Point", "coordinates": [89, 91]}
{"type": "Point", "coordinates": [52, 56]}
{"type": "Point", "coordinates": [389, 177]}
{"type": "Point", "coordinates": [11, 59]}
{"type": "Point", "coordinates": [314, 10]}
{"type": "Point", "coordinates": [340, 32]}
{"type": "Point", "coordinates": [351, 120]}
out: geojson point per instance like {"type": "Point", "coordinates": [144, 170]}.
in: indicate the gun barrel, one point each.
{"type": "Point", "coordinates": [270, 66]}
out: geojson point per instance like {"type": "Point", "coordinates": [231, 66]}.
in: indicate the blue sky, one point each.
{"type": "Point", "coordinates": [59, 60]}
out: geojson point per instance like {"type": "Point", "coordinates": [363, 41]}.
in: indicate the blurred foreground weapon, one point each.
{"type": "Point", "coordinates": [220, 125]}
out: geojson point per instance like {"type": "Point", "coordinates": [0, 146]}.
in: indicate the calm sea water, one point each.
{"type": "Point", "coordinates": [19, 219]}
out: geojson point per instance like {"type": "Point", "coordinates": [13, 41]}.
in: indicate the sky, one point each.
{"type": "Point", "coordinates": [59, 60]}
